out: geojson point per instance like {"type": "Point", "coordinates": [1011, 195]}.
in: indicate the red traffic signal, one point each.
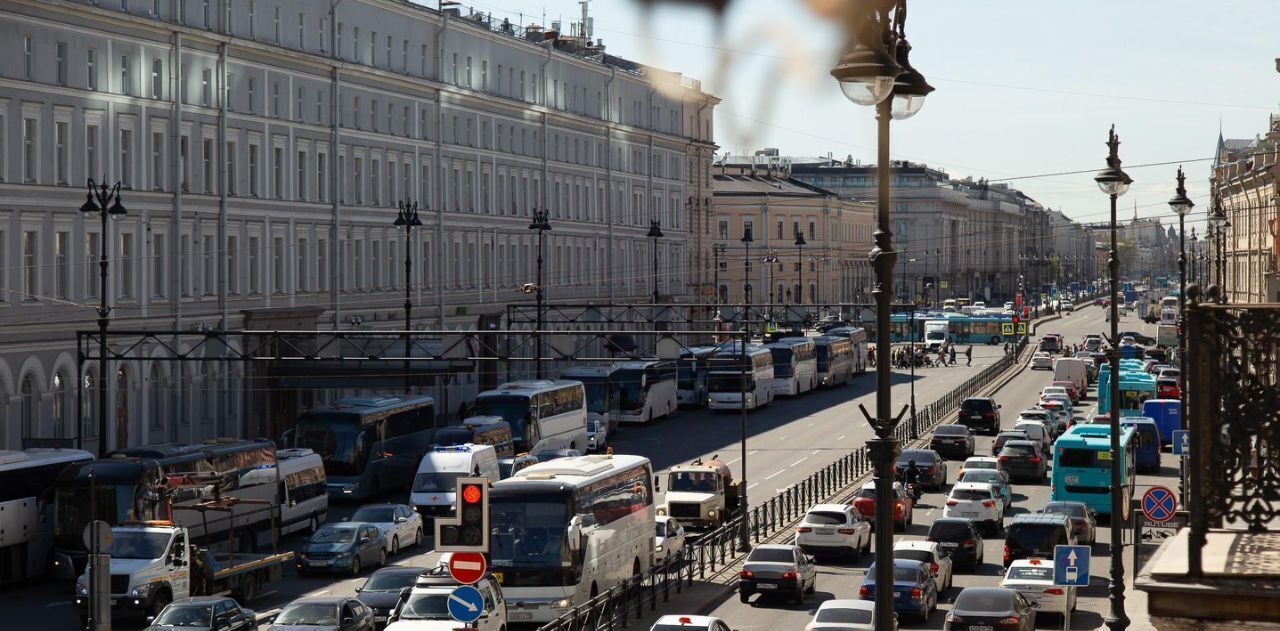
{"type": "Point", "coordinates": [468, 530]}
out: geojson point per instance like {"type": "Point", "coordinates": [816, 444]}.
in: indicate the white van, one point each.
{"type": "Point", "coordinates": [302, 495]}
{"type": "Point", "coordinates": [432, 493]}
{"type": "Point", "coordinates": [936, 334]}
{"type": "Point", "coordinates": [1073, 370]}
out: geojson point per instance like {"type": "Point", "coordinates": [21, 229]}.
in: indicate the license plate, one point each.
{"type": "Point", "coordinates": [979, 627]}
{"type": "Point", "coordinates": [824, 531]}
{"type": "Point", "coordinates": [319, 563]}
{"type": "Point", "coordinates": [520, 615]}
{"type": "Point", "coordinates": [766, 586]}
{"type": "Point", "coordinates": [1073, 479]}
{"type": "Point", "coordinates": [968, 514]}
{"type": "Point", "coordinates": [946, 544]}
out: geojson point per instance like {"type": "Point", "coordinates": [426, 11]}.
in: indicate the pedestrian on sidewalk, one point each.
{"type": "Point", "coordinates": [968, 355]}
{"type": "Point", "coordinates": [953, 356]}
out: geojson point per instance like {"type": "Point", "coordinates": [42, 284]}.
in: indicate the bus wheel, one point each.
{"type": "Point", "coordinates": [994, 340]}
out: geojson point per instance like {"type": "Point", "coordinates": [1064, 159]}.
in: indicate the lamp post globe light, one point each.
{"type": "Point", "coordinates": [407, 219]}
{"type": "Point", "coordinates": [104, 201]}
{"type": "Point", "coordinates": [1181, 205]}
{"type": "Point", "coordinates": [541, 222]}
{"type": "Point", "coordinates": [869, 73]}
{"type": "Point", "coordinates": [1114, 182]}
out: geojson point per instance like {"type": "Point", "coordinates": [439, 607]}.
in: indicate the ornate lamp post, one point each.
{"type": "Point", "coordinates": [655, 233]}
{"type": "Point", "coordinates": [103, 200]}
{"type": "Point", "coordinates": [1181, 205]}
{"type": "Point", "coordinates": [875, 71]}
{"type": "Point", "coordinates": [541, 222]}
{"type": "Point", "coordinates": [747, 240]}
{"type": "Point", "coordinates": [800, 266]}
{"type": "Point", "coordinates": [407, 219]}
{"type": "Point", "coordinates": [1115, 182]}
{"type": "Point", "coordinates": [770, 258]}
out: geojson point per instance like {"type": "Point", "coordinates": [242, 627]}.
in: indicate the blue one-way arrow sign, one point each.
{"type": "Point", "coordinates": [1071, 566]}
{"type": "Point", "coordinates": [465, 604]}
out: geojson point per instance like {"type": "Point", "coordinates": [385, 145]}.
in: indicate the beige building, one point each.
{"type": "Point", "coordinates": [1244, 182]}
{"type": "Point", "coordinates": [763, 200]}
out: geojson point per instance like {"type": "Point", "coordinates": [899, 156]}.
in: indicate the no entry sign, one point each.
{"type": "Point", "coordinates": [466, 567]}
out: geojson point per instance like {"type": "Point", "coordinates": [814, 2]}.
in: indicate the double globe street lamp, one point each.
{"type": "Point", "coordinates": [104, 201]}
{"type": "Point", "coordinates": [875, 71]}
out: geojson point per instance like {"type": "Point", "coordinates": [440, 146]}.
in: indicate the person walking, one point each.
{"type": "Point", "coordinates": [953, 355]}
{"type": "Point", "coordinates": [968, 355]}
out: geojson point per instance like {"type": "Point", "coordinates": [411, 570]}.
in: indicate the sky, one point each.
{"type": "Point", "coordinates": [1025, 89]}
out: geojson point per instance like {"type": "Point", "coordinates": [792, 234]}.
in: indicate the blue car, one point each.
{"type": "Point", "coordinates": [915, 591]}
{"type": "Point", "coordinates": [344, 547]}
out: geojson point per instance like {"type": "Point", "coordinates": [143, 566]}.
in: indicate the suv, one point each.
{"type": "Point", "coordinates": [981, 412]}
{"type": "Point", "coordinates": [959, 538]}
{"type": "Point", "coordinates": [1051, 344]}
{"type": "Point", "coordinates": [428, 600]}
{"type": "Point", "coordinates": [1145, 340]}
{"type": "Point", "coordinates": [834, 529]}
{"type": "Point", "coordinates": [1035, 535]}
{"type": "Point", "coordinates": [977, 501]}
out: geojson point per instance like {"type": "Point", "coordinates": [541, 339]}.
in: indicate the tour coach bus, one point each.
{"type": "Point", "coordinates": [544, 415]}
{"type": "Point", "coordinates": [369, 444]}
{"type": "Point", "coordinates": [692, 370]}
{"type": "Point", "coordinates": [731, 364]}
{"type": "Point", "coordinates": [157, 483]}
{"type": "Point", "coordinates": [566, 530]}
{"type": "Point", "coordinates": [26, 516]}
{"type": "Point", "coordinates": [646, 389]}
{"type": "Point", "coordinates": [795, 365]}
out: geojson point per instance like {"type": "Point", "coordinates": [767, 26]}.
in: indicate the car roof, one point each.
{"type": "Point", "coordinates": [916, 544]}
{"type": "Point", "coordinates": [700, 622]}
{"type": "Point", "coordinates": [1039, 562]}
{"type": "Point", "coordinates": [400, 569]}
{"type": "Point", "coordinates": [201, 600]}
{"type": "Point", "coordinates": [833, 507]}
{"type": "Point", "coordinates": [1020, 443]}
{"type": "Point", "coordinates": [985, 591]}
{"type": "Point", "coordinates": [1034, 518]}
{"type": "Point", "coordinates": [847, 603]}
{"type": "Point", "coordinates": [320, 600]}
{"type": "Point", "coordinates": [774, 546]}
{"type": "Point", "coordinates": [972, 486]}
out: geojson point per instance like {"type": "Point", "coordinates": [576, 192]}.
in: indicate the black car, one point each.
{"type": "Point", "coordinates": [1036, 535]}
{"type": "Point", "coordinates": [980, 412]}
{"type": "Point", "coordinates": [1006, 436]}
{"type": "Point", "coordinates": [382, 591]}
{"type": "Point", "coordinates": [932, 467]}
{"type": "Point", "coordinates": [990, 608]}
{"type": "Point", "coordinates": [204, 613]}
{"type": "Point", "coordinates": [952, 440]}
{"type": "Point", "coordinates": [1023, 461]}
{"type": "Point", "coordinates": [1050, 344]}
{"type": "Point", "coordinates": [1145, 340]}
{"type": "Point", "coordinates": [959, 538]}
{"type": "Point", "coordinates": [327, 613]}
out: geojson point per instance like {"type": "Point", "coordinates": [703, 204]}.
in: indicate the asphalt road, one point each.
{"type": "Point", "coordinates": [842, 580]}
{"type": "Point", "coordinates": [786, 441]}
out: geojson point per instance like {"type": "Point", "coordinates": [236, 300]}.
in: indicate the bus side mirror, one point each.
{"type": "Point", "coordinates": [286, 438]}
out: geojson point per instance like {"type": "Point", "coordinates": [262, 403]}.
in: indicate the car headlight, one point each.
{"type": "Point", "coordinates": [342, 555]}
{"type": "Point", "coordinates": [662, 511]}
{"type": "Point", "coordinates": [711, 513]}
{"type": "Point", "coordinates": [81, 589]}
{"type": "Point", "coordinates": [142, 591]}
{"type": "Point", "coordinates": [563, 603]}
{"type": "Point", "coordinates": [658, 549]}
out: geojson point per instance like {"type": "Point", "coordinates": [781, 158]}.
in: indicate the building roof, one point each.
{"type": "Point", "coordinates": [748, 184]}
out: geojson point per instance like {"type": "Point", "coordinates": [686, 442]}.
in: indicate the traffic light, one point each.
{"type": "Point", "coordinates": [468, 529]}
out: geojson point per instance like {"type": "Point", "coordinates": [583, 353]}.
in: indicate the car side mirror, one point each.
{"type": "Point", "coordinates": [365, 540]}
{"type": "Point", "coordinates": [348, 620]}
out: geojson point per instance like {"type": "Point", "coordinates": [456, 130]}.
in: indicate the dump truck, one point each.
{"type": "Point", "coordinates": [701, 494]}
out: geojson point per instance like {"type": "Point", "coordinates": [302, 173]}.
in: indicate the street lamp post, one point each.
{"type": "Point", "coordinates": [937, 278]}
{"type": "Point", "coordinates": [407, 219]}
{"type": "Point", "coordinates": [800, 266]}
{"type": "Point", "coordinates": [770, 258]}
{"type": "Point", "coordinates": [746, 279]}
{"type": "Point", "coordinates": [655, 233]}
{"type": "Point", "coordinates": [541, 222]}
{"type": "Point", "coordinates": [103, 200]}
{"type": "Point", "coordinates": [1181, 205]}
{"type": "Point", "coordinates": [1114, 182]}
{"type": "Point", "coordinates": [875, 71]}
{"type": "Point", "coordinates": [717, 249]}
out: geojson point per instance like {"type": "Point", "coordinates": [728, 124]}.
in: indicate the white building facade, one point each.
{"type": "Point", "coordinates": [262, 147]}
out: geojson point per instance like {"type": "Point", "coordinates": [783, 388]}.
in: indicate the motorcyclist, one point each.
{"type": "Point", "coordinates": [912, 478]}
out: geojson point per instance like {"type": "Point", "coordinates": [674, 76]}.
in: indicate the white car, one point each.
{"type": "Point", "coordinates": [980, 462]}
{"type": "Point", "coordinates": [1055, 390]}
{"type": "Point", "coordinates": [1042, 360]}
{"type": "Point", "coordinates": [855, 615]}
{"type": "Point", "coordinates": [426, 607]}
{"type": "Point", "coordinates": [669, 541]}
{"type": "Point", "coordinates": [977, 502]}
{"type": "Point", "coordinates": [1033, 578]}
{"type": "Point", "coordinates": [400, 525]}
{"type": "Point", "coordinates": [931, 553]}
{"type": "Point", "coordinates": [597, 435]}
{"type": "Point", "coordinates": [835, 529]}
{"type": "Point", "coordinates": [682, 622]}
{"type": "Point", "coordinates": [1008, 306]}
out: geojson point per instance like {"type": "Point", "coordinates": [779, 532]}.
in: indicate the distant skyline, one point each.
{"type": "Point", "coordinates": [1022, 89]}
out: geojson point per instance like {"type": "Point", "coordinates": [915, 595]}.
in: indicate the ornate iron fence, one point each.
{"type": "Point", "coordinates": [1233, 413]}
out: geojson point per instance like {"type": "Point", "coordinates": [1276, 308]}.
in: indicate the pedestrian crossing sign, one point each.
{"type": "Point", "coordinates": [1006, 328]}
{"type": "Point", "coordinates": [1022, 328]}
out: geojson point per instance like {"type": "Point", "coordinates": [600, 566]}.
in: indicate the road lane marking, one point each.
{"type": "Point", "coordinates": [810, 424]}
{"type": "Point", "coordinates": [798, 461]}
{"type": "Point", "coordinates": [731, 461]}
{"type": "Point", "coordinates": [784, 438]}
{"type": "Point", "coordinates": [841, 437]}
{"type": "Point", "coordinates": [815, 452]}
{"type": "Point", "coordinates": [773, 475]}
{"type": "Point", "coordinates": [752, 485]}
{"type": "Point", "coordinates": [752, 452]}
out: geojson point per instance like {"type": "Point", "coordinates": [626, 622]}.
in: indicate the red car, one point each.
{"type": "Point", "coordinates": [1168, 389]}
{"type": "Point", "coordinates": [865, 502]}
{"type": "Point", "coordinates": [1071, 390]}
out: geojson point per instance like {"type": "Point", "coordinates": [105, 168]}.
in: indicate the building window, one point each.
{"type": "Point", "coordinates": [126, 158]}
{"type": "Point", "coordinates": [209, 259]}
{"type": "Point", "coordinates": [358, 180]}
{"type": "Point", "coordinates": [375, 189]}
{"type": "Point", "coordinates": [253, 90]}
{"type": "Point", "coordinates": [301, 183]}
{"type": "Point", "coordinates": [157, 78]}
{"type": "Point", "coordinates": [29, 156]}
{"type": "Point", "coordinates": [91, 65]}
{"type": "Point", "coordinates": [253, 170]}
{"type": "Point", "coordinates": [277, 172]}
{"type": "Point", "coordinates": [233, 265]}
{"type": "Point", "coordinates": [61, 403]}
{"type": "Point", "coordinates": [255, 285]}
{"type": "Point", "coordinates": [157, 161]}
{"type": "Point", "coordinates": [185, 253]}
{"type": "Point", "coordinates": [206, 87]}
{"type": "Point", "coordinates": [159, 261]}
{"type": "Point", "coordinates": [60, 52]}
{"type": "Point", "coordinates": [31, 265]}
{"type": "Point", "coordinates": [206, 162]}
{"type": "Point", "coordinates": [302, 282]}
{"type": "Point", "coordinates": [156, 406]}
{"type": "Point", "coordinates": [376, 265]}
{"type": "Point", "coordinates": [322, 265]}
{"type": "Point", "coordinates": [92, 248]}
{"type": "Point", "coordinates": [275, 99]}
{"type": "Point", "coordinates": [62, 264]}
{"type": "Point", "coordinates": [28, 63]}
{"type": "Point", "coordinates": [232, 174]}
{"type": "Point", "coordinates": [277, 25]}
{"type": "Point", "coordinates": [125, 83]}
{"type": "Point", "coordinates": [277, 265]}
{"type": "Point", "coordinates": [60, 152]}
{"type": "Point", "coordinates": [126, 266]}
{"type": "Point", "coordinates": [297, 110]}
{"type": "Point", "coordinates": [322, 177]}
{"type": "Point", "coordinates": [27, 405]}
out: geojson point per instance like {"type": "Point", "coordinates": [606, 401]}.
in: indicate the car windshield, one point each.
{"type": "Point", "coordinates": [186, 616]}
{"type": "Point", "coordinates": [978, 464]}
{"type": "Point", "coordinates": [951, 430]}
{"type": "Point", "coordinates": [1073, 510]}
{"type": "Point", "coordinates": [824, 518]}
{"type": "Point", "coordinates": [375, 514]}
{"type": "Point", "coordinates": [842, 615]}
{"type": "Point", "coordinates": [972, 601]}
{"type": "Point", "coordinates": [429, 606]}
{"type": "Point", "coordinates": [976, 405]}
{"type": "Point", "coordinates": [903, 574]}
{"type": "Point", "coordinates": [138, 545]}
{"type": "Point", "coordinates": [771, 555]}
{"type": "Point", "coordinates": [914, 555]}
{"type": "Point", "coordinates": [988, 476]}
{"type": "Point", "coordinates": [389, 581]}
{"type": "Point", "coordinates": [1030, 573]}
{"type": "Point", "coordinates": [660, 529]}
{"type": "Point", "coordinates": [309, 613]}
{"type": "Point", "coordinates": [867, 492]}
{"type": "Point", "coordinates": [692, 482]}
{"type": "Point", "coordinates": [435, 482]}
{"type": "Point", "coordinates": [334, 535]}
{"type": "Point", "coordinates": [1011, 449]}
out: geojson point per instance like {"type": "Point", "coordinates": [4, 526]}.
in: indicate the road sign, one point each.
{"type": "Point", "coordinates": [1181, 442]}
{"type": "Point", "coordinates": [1022, 328]}
{"type": "Point", "coordinates": [1071, 566]}
{"type": "Point", "coordinates": [97, 536]}
{"type": "Point", "coordinates": [465, 604]}
{"type": "Point", "coordinates": [467, 531]}
{"type": "Point", "coordinates": [944, 284]}
{"type": "Point", "coordinates": [1006, 328]}
{"type": "Point", "coordinates": [466, 567]}
{"type": "Point", "coordinates": [1159, 504]}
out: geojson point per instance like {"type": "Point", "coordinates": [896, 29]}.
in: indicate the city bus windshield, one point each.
{"type": "Point", "coordinates": [333, 437]}
{"type": "Point", "coordinates": [512, 409]}
{"type": "Point", "coordinates": [781, 361]}
{"type": "Point", "coordinates": [597, 393]}
{"type": "Point", "coordinates": [729, 382]}
{"type": "Point", "coordinates": [115, 503]}
{"type": "Point", "coordinates": [528, 542]}
{"type": "Point", "coordinates": [629, 383]}
{"type": "Point", "coordinates": [686, 375]}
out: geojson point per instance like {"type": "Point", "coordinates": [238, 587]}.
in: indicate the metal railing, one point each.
{"type": "Point", "coordinates": [718, 550]}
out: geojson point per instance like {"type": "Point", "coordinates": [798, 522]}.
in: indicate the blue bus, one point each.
{"type": "Point", "coordinates": [1146, 442]}
{"type": "Point", "coordinates": [369, 444]}
{"type": "Point", "coordinates": [1136, 387]}
{"type": "Point", "coordinates": [1082, 467]}
{"type": "Point", "coordinates": [962, 329]}
{"type": "Point", "coordinates": [1167, 413]}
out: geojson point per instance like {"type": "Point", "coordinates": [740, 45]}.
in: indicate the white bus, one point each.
{"type": "Point", "coordinates": [835, 360]}
{"type": "Point", "coordinates": [858, 345]}
{"type": "Point", "coordinates": [795, 365]}
{"type": "Point", "coordinates": [725, 386]}
{"type": "Point", "coordinates": [691, 375]}
{"type": "Point", "coordinates": [303, 495]}
{"type": "Point", "coordinates": [26, 514]}
{"type": "Point", "coordinates": [544, 415]}
{"type": "Point", "coordinates": [646, 389]}
{"type": "Point", "coordinates": [602, 392]}
{"type": "Point", "coordinates": [569, 529]}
